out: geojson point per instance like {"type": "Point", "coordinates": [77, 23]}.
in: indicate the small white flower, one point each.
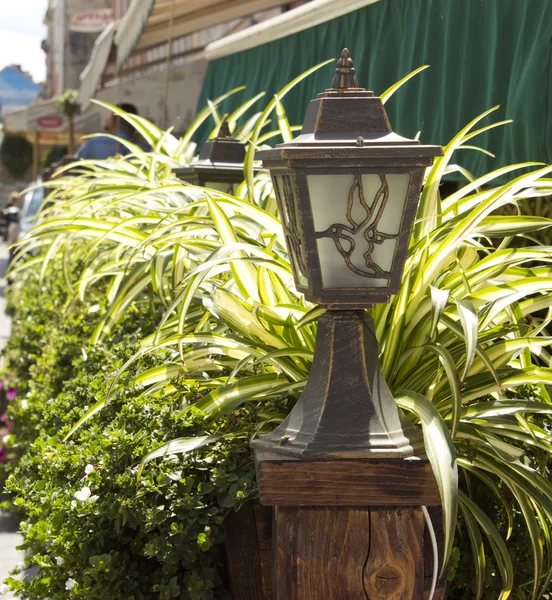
{"type": "Point", "coordinates": [84, 494]}
{"type": "Point", "coordinates": [59, 561]}
{"type": "Point", "coordinates": [89, 469]}
{"type": "Point", "coordinates": [24, 404]}
{"type": "Point", "coordinates": [70, 584]}
{"type": "Point", "coordinates": [4, 589]}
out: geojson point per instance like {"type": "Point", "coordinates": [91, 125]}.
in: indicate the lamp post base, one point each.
{"type": "Point", "coordinates": [346, 409]}
{"type": "Point", "coordinates": [350, 529]}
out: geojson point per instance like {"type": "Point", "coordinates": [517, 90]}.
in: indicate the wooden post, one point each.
{"type": "Point", "coordinates": [348, 529]}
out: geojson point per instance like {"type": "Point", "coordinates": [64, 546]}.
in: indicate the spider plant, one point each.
{"type": "Point", "coordinates": [464, 343]}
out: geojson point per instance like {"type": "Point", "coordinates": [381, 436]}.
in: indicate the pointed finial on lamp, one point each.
{"type": "Point", "coordinates": [224, 129]}
{"type": "Point", "coordinates": [345, 73]}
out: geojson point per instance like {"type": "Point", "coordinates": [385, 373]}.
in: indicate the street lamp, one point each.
{"type": "Point", "coordinates": [347, 189]}
{"type": "Point", "coordinates": [220, 163]}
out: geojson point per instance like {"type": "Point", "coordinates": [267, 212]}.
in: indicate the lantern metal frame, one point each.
{"type": "Point", "coordinates": [308, 279]}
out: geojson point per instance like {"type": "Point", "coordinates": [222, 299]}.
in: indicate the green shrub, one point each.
{"type": "Point", "coordinates": [16, 154]}
{"type": "Point", "coordinates": [160, 537]}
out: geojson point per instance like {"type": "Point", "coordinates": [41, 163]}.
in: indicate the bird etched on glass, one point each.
{"type": "Point", "coordinates": [361, 233]}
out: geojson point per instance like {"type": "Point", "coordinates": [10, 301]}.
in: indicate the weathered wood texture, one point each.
{"type": "Point", "coordinates": [370, 482]}
{"type": "Point", "coordinates": [392, 570]}
{"type": "Point", "coordinates": [348, 554]}
{"type": "Point", "coordinates": [351, 529]}
{"type": "Point", "coordinates": [263, 521]}
{"type": "Point", "coordinates": [337, 553]}
{"type": "Point", "coordinates": [320, 553]}
{"type": "Point", "coordinates": [248, 538]}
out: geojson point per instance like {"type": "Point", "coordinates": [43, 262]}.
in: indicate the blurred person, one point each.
{"type": "Point", "coordinates": [12, 214]}
{"type": "Point", "coordinates": [102, 147]}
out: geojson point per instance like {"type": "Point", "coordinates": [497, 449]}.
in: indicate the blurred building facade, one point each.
{"type": "Point", "coordinates": [147, 52]}
{"type": "Point", "coordinates": [157, 56]}
{"type": "Point", "coordinates": [72, 26]}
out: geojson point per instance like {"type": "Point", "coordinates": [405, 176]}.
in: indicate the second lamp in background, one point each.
{"type": "Point", "coordinates": [220, 164]}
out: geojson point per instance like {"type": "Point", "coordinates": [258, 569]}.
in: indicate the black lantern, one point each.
{"type": "Point", "coordinates": [347, 189]}
{"type": "Point", "coordinates": [220, 164]}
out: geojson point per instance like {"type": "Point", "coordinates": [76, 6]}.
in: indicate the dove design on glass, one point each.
{"type": "Point", "coordinates": [345, 236]}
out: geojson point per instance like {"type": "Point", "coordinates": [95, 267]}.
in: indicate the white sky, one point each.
{"type": "Point", "coordinates": [21, 31]}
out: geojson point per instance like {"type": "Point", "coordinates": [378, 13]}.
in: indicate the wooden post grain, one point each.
{"type": "Point", "coordinates": [396, 548]}
{"type": "Point", "coordinates": [320, 552]}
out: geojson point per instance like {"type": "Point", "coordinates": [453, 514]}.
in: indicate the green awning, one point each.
{"type": "Point", "coordinates": [482, 53]}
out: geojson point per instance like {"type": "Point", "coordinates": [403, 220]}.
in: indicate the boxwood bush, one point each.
{"type": "Point", "coordinates": [88, 518]}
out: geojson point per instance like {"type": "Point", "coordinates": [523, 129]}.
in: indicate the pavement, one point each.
{"type": "Point", "coordinates": [9, 536]}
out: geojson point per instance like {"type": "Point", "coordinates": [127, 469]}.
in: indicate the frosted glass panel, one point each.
{"type": "Point", "coordinates": [391, 218]}
{"type": "Point", "coordinates": [357, 219]}
{"type": "Point", "coordinates": [328, 196]}
{"type": "Point", "coordinates": [335, 272]}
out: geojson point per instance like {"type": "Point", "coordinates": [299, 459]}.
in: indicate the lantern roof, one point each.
{"type": "Point", "coordinates": [221, 153]}
{"type": "Point", "coordinates": [352, 121]}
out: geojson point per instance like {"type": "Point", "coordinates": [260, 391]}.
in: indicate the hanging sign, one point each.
{"type": "Point", "coordinates": [91, 21]}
